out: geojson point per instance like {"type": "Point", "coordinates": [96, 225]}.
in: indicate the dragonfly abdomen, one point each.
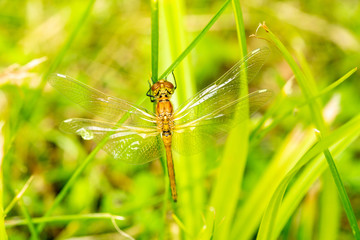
{"type": "Point", "coordinates": [166, 137]}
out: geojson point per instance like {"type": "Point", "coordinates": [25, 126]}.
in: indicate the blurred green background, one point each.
{"type": "Point", "coordinates": [112, 52]}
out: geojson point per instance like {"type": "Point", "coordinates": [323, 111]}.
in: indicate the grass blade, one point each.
{"type": "Point", "coordinates": [276, 121]}
{"type": "Point", "coordinates": [64, 218]}
{"type": "Point", "coordinates": [235, 155]}
{"type": "Point", "coordinates": [154, 40]}
{"type": "Point", "coordinates": [304, 182]}
{"type": "Point", "coordinates": [3, 234]}
{"type": "Point", "coordinates": [308, 87]}
{"type": "Point", "coordinates": [269, 220]}
{"type": "Point", "coordinates": [195, 41]}
{"type": "Point", "coordinates": [18, 196]}
{"type": "Point", "coordinates": [342, 192]}
{"type": "Point", "coordinates": [34, 234]}
{"type": "Point", "coordinates": [240, 28]}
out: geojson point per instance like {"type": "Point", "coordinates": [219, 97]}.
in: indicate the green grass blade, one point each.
{"type": "Point", "coordinates": [195, 41]}
{"type": "Point", "coordinates": [342, 192]}
{"type": "Point", "coordinates": [309, 89]}
{"type": "Point", "coordinates": [34, 234]}
{"type": "Point", "coordinates": [329, 209]}
{"type": "Point", "coordinates": [3, 234]}
{"type": "Point", "coordinates": [304, 181]}
{"type": "Point", "coordinates": [259, 135]}
{"type": "Point", "coordinates": [154, 40]}
{"type": "Point", "coordinates": [64, 218]}
{"type": "Point", "coordinates": [240, 28]}
{"type": "Point", "coordinates": [18, 196]}
{"type": "Point", "coordinates": [307, 85]}
{"type": "Point", "coordinates": [308, 216]}
{"type": "Point", "coordinates": [228, 182]}
{"type": "Point", "coordinates": [72, 181]}
{"type": "Point", "coordinates": [337, 82]}
{"type": "Point", "coordinates": [270, 215]}
{"type": "Point", "coordinates": [268, 223]}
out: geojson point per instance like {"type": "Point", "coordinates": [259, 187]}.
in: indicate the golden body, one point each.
{"type": "Point", "coordinates": [162, 91]}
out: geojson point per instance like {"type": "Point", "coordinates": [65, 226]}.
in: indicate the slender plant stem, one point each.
{"type": "Point", "coordinates": [195, 41]}
{"type": "Point", "coordinates": [342, 192]}
{"type": "Point", "coordinates": [259, 125]}
{"type": "Point", "coordinates": [154, 40]}
{"type": "Point", "coordinates": [18, 196]}
{"type": "Point", "coordinates": [240, 27]}
{"type": "Point", "coordinates": [3, 234]}
{"type": "Point", "coordinates": [65, 218]}
{"type": "Point", "coordinates": [29, 222]}
{"type": "Point", "coordinates": [71, 181]}
{"type": "Point", "coordinates": [235, 153]}
{"type": "Point", "coordinates": [308, 87]}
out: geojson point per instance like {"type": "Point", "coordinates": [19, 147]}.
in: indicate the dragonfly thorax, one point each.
{"type": "Point", "coordinates": [162, 89]}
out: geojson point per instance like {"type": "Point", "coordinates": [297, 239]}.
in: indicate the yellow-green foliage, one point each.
{"type": "Point", "coordinates": [271, 178]}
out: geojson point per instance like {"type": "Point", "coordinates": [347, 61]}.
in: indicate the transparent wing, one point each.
{"type": "Point", "coordinates": [224, 90]}
{"type": "Point", "coordinates": [109, 108]}
{"type": "Point", "coordinates": [207, 130]}
{"type": "Point", "coordinates": [214, 111]}
{"type": "Point", "coordinates": [129, 144]}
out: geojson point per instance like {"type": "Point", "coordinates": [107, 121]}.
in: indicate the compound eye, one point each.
{"type": "Point", "coordinates": [155, 87]}
{"type": "Point", "coordinates": [169, 85]}
{"type": "Point", "coordinates": [156, 92]}
{"type": "Point", "coordinates": [170, 90]}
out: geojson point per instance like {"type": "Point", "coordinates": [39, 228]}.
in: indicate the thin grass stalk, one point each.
{"type": "Point", "coordinates": [195, 41]}
{"type": "Point", "coordinates": [154, 40]}
{"type": "Point", "coordinates": [304, 181]}
{"type": "Point", "coordinates": [286, 155]}
{"type": "Point", "coordinates": [18, 196]}
{"type": "Point", "coordinates": [329, 209]}
{"type": "Point", "coordinates": [329, 213]}
{"type": "Point", "coordinates": [309, 89]}
{"type": "Point", "coordinates": [72, 181]}
{"type": "Point", "coordinates": [3, 234]}
{"type": "Point", "coordinates": [258, 132]}
{"type": "Point", "coordinates": [240, 28]}
{"type": "Point", "coordinates": [308, 86]}
{"type": "Point", "coordinates": [29, 222]}
{"type": "Point", "coordinates": [228, 182]}
{"type": "Point", "coordinates": [270, 219]}
{"type": "Point", "coordinates": [342, 192]}
{"type": "Point", "coordinates": [65, 219]}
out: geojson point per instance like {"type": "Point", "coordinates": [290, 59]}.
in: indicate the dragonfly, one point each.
{"type": "Point", "coordinates": [137, 136]}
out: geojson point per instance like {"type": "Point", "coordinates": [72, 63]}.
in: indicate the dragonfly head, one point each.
{"type": "Point", "coordinates": [162, 88]}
